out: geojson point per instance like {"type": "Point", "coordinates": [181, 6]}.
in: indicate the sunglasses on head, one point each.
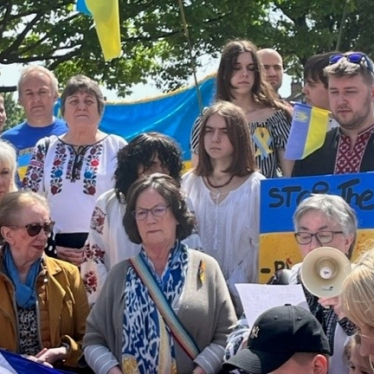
{"type": "Point", "coordinates": [355, 58]}
{"type": "Point", "coordinates": [34, 229]}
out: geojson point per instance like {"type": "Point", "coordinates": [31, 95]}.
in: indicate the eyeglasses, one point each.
{"type": "Point", "coordinates": [34, 229]}
{"type": "Point", "coordinates": [157, 211]}
{"type": "Point", "coordinates": [323, 237]}
{"type": "Point", "coordinates": [355, 58]}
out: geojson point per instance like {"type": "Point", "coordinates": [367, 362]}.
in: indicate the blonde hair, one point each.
{"type": "Point", "coordinates": [8, 157]}
{"type": "Point", "coordinates": [354, 342]}
{"type": "Point", "coordinates": [357, 298]}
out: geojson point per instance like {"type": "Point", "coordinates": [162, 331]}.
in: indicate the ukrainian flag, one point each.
{"type": "Point", "coordinates": [12, 363]}
{"type": "Point", "coordinates": [308, 131]}
{"type": "Point", "coordinates": [106, 16]}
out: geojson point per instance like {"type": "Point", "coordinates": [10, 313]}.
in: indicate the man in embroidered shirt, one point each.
{"type": "Point", "coordinates": [350, 147]}
{"type": "Point", "coordinates": [37, 94]}
{"type": "Point", "coordinates": [284, 340]}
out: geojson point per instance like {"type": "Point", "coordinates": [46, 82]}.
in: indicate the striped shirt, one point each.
{"type": "Point", "coordinates": [268, 136]}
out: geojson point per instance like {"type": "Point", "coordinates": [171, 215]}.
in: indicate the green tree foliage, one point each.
{"type": "Point", "coordinates": [301, 28]}
{"type": "Point", "coordinates": [153, 39]}
{"type": "Point", "coordinates": [14, 112]}
{"type": "Point", "coordinates": [154, 43]}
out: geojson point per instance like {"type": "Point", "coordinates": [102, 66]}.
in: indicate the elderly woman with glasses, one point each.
{"type": "Point", "coordinates": [168, 309]}
{"type": "Point", "coordinates": [319, 221]}
{"type": "Point", "coordinates": [43, 304]}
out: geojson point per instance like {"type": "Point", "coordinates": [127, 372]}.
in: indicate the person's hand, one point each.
{"type": "Point", "coordinates": [198, 370]}
{"type": "Point", "coordinates": [73, 255]}
{"type": "Point", "coordinates": [52, 355]}
{"type": "Point", "coordinates": [333, 302]}
{"type": "Point", "coordinates": [37, 359]}
{"type": "Point", "coordinates": [115, 370]}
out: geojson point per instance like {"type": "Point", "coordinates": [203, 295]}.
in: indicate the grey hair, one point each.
{"type": "Point", "coordinates": [38, 69]}
{"type": "Point", "coordinates": [334, 208]}
{"type": "Point", "coordinates": [14, 202]}
{"type": "Point", "coordinates": [344, 68]}
{"type": "Point", "coordinates": [8, 157]}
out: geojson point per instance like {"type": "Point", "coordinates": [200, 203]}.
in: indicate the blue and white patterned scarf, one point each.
{"type": "Point", "coordinates": [142, 328]}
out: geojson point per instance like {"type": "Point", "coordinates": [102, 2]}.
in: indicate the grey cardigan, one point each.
{"type": "Point", "coordinates": [206, 311]}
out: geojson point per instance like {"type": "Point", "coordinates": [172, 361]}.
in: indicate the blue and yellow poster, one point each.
{"type": "Point", "coordinates": [279, 199]}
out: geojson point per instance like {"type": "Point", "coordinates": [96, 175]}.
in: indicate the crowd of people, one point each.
{"type": "Point", "coordinates": [113, 259]}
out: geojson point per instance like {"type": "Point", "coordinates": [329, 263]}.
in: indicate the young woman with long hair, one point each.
{"type": "Point", "coordinates": [241, 80]}
{"type": "Point", "coordinates": [225, 193]}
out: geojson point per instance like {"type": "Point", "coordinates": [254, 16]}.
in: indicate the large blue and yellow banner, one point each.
{"type": "Point", "coordinates": [279, 199]}
{"type": "Point", "coordinates": [172, 114]}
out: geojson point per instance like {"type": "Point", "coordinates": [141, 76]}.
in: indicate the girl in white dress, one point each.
{"type": "Point", "coordinates": [225, 193]}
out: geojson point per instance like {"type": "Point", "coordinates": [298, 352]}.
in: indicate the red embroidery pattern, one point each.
{"type": "Point", "coordinates": [90, 173]}
{"type": "Point", "coordinates": [34, 175]}
{"type": "Point", "coordinates": [347, 160]}
{"type": "Point", "coordinates": [94, 253]}
{"type": "Point", "coordinates": [97, 220]}
{"type": "Point", "coordinates": [57, 168]}
{"type": "Point", "coordinates": [90, 282]}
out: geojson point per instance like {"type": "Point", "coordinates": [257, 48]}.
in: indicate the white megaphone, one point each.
{"type": "Point", "coordinates": [324, 270]}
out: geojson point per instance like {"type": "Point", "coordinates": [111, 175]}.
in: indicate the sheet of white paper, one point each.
{"type": "Point", "coordinates": [257, 298]}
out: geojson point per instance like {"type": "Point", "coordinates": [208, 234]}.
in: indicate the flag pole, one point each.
{"type": "Point", "coordinates": [193, 65]}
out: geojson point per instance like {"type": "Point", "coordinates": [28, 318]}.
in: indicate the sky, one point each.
{"type": "Point", "coordinates": [9, 76]}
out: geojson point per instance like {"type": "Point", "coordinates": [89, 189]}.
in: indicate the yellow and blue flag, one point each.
{"type": "Point", "coordinates": [106, 16]}
{"type": "Point", "coordinates": [308, 131]}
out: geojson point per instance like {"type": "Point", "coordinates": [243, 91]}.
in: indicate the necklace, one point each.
{"type": "Point", "coordinates": [220, 185]}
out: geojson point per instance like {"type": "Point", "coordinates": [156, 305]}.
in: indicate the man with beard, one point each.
{"type": "Point", "coordinates": [350, 147]}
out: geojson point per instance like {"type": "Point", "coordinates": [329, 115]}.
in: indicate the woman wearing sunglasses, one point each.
{"type": "Point", "coordinates": [43, 304]}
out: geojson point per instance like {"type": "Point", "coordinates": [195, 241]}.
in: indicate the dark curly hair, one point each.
{"type": "Point", "coordinates": [169, 189]}
{"type": "Point", "coordinates": [141, 151]}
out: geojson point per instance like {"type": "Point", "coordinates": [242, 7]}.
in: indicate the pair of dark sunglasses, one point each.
{"type": "Point", "coordinates": [34, 229]}
{"type": "Point", "coordinates": [355, 58]}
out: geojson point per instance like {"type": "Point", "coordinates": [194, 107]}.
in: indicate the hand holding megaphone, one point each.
{"type": "Point", "coordinates": [334, 303]}
{"type": "Point", "coordinates": [324, 270]}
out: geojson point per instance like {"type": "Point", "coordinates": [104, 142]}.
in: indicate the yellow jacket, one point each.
{"type": "Point", "coordinates": [62, 308]}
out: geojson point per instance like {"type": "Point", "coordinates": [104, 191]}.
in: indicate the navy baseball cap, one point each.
{"type": "Point", "coordinates": [276, 336]}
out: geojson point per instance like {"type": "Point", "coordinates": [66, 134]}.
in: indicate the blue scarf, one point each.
{"type": "Point", "coordinates": [25, 292]}
{"type": "Point", "coordinates": [141, 325]}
